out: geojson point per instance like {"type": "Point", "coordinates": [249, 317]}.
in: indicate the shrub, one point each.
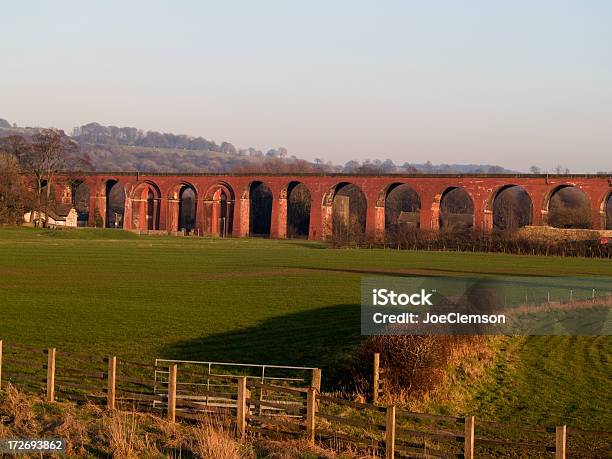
{"type": "Point", "coordinates": [413, 365]}
{"type": "Point", "coordinates": [496, 241]}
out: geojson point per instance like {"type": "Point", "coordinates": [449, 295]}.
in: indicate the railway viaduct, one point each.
{"type": "Point", "coordinates": [152, 201]}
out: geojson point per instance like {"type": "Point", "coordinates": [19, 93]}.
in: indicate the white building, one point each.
{"type": "Point", "coordinates": [64, 216]}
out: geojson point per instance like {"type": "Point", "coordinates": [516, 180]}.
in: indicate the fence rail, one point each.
{"type": "Point", "coordinates": [272, 409]}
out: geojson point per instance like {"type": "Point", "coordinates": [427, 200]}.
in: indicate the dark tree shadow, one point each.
{"type": "Point", "coordinates": [323, 338]}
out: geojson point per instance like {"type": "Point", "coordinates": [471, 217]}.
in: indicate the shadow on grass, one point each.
{"type": "Point", "coordinates": [602, 282]}
{"type": "Point", "coordinates": [323, 338]}
{"type": "Point", "coordinates": [308, 244]}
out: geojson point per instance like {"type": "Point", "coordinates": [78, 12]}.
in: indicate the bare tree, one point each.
{"type": "Point", "coordinates": [535, 170]}
{"type": "Point", "coordinates": [49, 153]}
{"type": "Point", "coordinates": [13, 195]}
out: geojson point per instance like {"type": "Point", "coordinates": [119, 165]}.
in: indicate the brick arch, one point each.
{"type": "Point", "coordinates": [436, 208]}
{"type": "Point", "coordinates": [103, 203]}
{"type": "Point", "coordinates": [177, 188]}
{"type": "Point", "coordinates": [382, 195]}
{"type": "Point", "coordinates": [496, 192]}
{"type": "Point", "coordinates": [219, 204]}
{"type": "Point", "coordinates": [555, 189]}
{"type": "Point", "coordinates": [330, 194]}
{"type": "Point", "coordinates": [139, 189]}
{"type": "Point", "coordinates": [175, 203]}
{"type": "Point", "coordinates": [254, 217]}
{"type": "Point", "coordinates": [101, 186]}
{"type": "Point", "coordinates": [82, 206]}
{"type": "Point", "coordinates": [550, 192]}
{"type": "Point", "coordinates": [605, 222]}
{"type": "Point", "coordinates": [381, 224]}
{"type": "Point", "coordinates": [489, 216]}
{"type": "Point", "coordinates": [284, 190]}
{"type": "Point", "coordinates": [217, 187]}
{"type": "Point", "coordinates": [327, 203]}
{"type": "Point", "coordinates": [145, 201]}
{"type": "Point", "coordinates": [283, 210]}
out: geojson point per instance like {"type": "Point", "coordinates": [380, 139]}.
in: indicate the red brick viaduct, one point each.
{"type": "Point", "coordinates": [152, 200]}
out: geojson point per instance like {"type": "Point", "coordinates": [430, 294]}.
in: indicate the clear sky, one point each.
{"type": "Point", "coordinates": [514, 83]}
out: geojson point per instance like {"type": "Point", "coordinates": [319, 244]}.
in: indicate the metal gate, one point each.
{"type": "Point", "coordinates": [203, 383]}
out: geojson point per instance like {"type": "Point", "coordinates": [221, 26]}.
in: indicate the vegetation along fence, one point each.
{"type": "Point", "coordinates": [280, 407]}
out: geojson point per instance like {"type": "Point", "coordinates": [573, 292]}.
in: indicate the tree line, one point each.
{"type": "Point", "coordinates": [97, 134]}
{"type": "Point", "coordinates": [103, 144]}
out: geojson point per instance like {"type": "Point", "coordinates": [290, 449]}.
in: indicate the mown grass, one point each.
{"type": "Point", "coordinates": [550, 380]}
{"type": "Point", "coordinates": [284, 302]}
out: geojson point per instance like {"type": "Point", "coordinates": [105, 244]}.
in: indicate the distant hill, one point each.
{"type": "Point", "coordinates": [156, 159]}
{"type": "Point", "coordinates": [129, 148]}
{"type": "Point", "coordinates": [112, 148]}
{"type": "Point", "coordinates": [462, 168]}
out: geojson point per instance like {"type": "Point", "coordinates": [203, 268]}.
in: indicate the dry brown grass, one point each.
{"type": "Point", "coordinates": [292, 449]}
{"type": "Point", "coordinates": [173, 435]}
{"type": "Point", "coordinates": [123, 435]}
{"type": "Point", "coordinates": [556, 306]}
{"type": "Point", "coordinates": [74, 431]}
{"type": "Point", "coordinates": [217, 442]}
{"type": "Point", "coordinates": [18, 409]}
{"type": "Point", "coordinates": [91, 430]}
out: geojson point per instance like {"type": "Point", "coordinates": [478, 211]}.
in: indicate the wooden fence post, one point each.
{"type": "Point", "coordinates": [316, 384]}
{"type": "Point", "coordinates": [0, 364]}
{"type": "Point", "coordinates": [311, 410]}
{"type": "Point", "coordinates": [241, 406]}
{"type": "Point", "coordinates": [376, 380]}
{"type": "Point", "coordinates": [468, 446]}
{"type": "Point", "coordinates": [112, 377]}
{"type": "Point", "coordinates": [51, 374]}
{"type": "Point", "coordinates": [390, 433]}
{"type": "Point", "coordinates": [561, 442]}
{"type": "Point", "coordinates": [172, 393]}
{"type": "Point", "coordinates": [316, 379]}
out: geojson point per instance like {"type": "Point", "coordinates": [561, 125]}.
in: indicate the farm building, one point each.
{"type": "Point", "coordinates": [65, 216]}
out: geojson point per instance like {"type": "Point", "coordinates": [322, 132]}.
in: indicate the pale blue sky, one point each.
{"type": "Point", "coordinates": [514, 82]}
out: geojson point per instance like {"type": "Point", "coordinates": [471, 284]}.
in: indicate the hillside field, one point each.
{"type": "Point", "coordinates": [277, 302]}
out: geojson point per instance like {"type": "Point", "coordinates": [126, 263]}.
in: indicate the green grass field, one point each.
{"type": "Point", "coordinates": [276, 302]}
